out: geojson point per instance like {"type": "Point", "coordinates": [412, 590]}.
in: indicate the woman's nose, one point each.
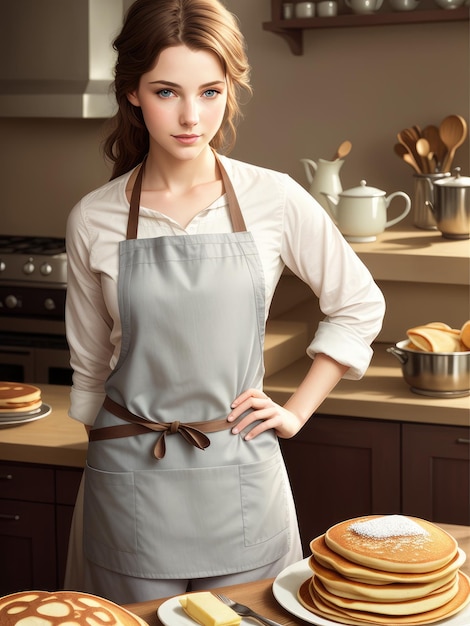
{"type": "Point", "coordinates": [189, 114]}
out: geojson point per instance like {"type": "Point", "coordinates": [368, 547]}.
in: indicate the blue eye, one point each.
{"type": "Point", "coordinates": [165, 93]}
{"type": "Point", "coordinates": [211, 93]}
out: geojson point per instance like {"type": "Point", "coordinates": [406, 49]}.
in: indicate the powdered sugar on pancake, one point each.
{"type": "Point", "coordinates": [388, 526]}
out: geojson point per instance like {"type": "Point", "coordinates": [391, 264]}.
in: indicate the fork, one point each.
{"type": "Point", "coordinates": [245, 611]}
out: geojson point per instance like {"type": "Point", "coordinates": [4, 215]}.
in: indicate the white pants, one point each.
{"type": "Point", "coordinates": [83, 575]}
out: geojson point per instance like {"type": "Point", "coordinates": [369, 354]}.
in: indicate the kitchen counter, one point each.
{"type": "Point", "coordinates": [53, 440]}
{"type": "Point", "coordinates": [382, 394]}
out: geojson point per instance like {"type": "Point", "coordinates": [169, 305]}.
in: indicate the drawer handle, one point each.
{"type": "Point", "coordinates": [6, 477]}
{"type": "Point", "coordinates": [462, 440]}
{"type": "Point", "coordinates": [14, 517]}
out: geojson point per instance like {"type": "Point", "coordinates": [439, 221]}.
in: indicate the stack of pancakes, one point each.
{"type": "Point", "coordinates": [19, 398]}
{"type": "Point", "coordinates": [385, 570]}
{"type": "Point", "coordinates": [63, 608]}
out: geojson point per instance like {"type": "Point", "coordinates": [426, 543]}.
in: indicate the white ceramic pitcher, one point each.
{"type": "Point", "coordinates": [323, 177]}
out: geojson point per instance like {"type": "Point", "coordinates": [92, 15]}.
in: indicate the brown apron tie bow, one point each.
{"type": "Point", "coordinates": [193, 433]}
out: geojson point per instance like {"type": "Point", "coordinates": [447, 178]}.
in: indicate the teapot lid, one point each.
{"type": "Point", "coordinates": [362, 191]}
{"type": "Point", "coordinates": [454, 181]}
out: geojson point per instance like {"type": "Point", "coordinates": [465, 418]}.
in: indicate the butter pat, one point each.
{"type": "Point", "coordinates": [206, 609]}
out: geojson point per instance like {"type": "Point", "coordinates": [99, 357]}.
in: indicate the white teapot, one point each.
{"type": "Point", "coordinates": [361, 212]}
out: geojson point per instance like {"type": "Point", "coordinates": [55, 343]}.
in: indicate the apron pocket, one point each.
{"type": "Point", "coordinates": [109, 509]}
{"type": "Point", "coordinates": [264, 500]}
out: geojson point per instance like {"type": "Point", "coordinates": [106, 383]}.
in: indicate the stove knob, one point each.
{"type": "Point", "coordinates": [49, 304]}
{"type": "Point", "coordinates": [28, 268]}
{"type": "Point", "coordinates": [45, 269]}
{"type": "Point", "coordinates": [11, 302]}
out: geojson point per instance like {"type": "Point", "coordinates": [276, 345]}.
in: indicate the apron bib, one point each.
{"type": "Point", "coordinates": [192, 314]}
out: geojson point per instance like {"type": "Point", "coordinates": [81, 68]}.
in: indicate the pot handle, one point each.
{"type": "Point", "coordinates": [401, 356]}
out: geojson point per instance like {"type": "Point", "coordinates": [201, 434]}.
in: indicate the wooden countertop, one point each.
{"type": "Point", "coordinates": [54, 440]}
{"type": "Point", "coordinates": [381, 394]}
{"type": "Point", "coordinates": [258, 595]}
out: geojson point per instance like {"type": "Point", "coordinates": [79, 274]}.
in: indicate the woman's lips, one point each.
{"type": "Point", "coordinates": [186, 139]}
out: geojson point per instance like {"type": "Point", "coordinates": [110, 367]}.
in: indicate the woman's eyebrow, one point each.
{"type": "Point", "coordinates": [168, 83]}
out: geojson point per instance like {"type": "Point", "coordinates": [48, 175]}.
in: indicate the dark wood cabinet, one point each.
{"type": "Point", "coordinates": [36, 506]}
{"type": "Point", "coordinates": [436, 473]}
{"type": "Point", "coordinates": [342, 468]}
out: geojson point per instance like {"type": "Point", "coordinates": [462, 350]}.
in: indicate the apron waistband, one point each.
{"type": "Point", "coordinates": [193, 433]}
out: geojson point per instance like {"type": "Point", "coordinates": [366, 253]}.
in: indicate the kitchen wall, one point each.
{"type": "Point", "coordinates": [362, 84]}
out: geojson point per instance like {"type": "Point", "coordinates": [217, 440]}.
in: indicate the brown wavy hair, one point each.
{"type": "Point", "coordinates": [149, 27]}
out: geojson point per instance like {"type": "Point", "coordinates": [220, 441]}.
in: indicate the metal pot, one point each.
{"type": "Point", "coordinates": [451, 205]}
{"type": "Point", "coordinates": [436, 374]}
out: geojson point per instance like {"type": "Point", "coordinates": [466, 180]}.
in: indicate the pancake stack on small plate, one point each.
{"type": "Point", "coordinates": [18, 398]}
{"type": "Point", "coordinates": [385, 570]}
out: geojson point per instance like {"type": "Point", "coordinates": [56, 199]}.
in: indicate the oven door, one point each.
{"type": "Point", "coordinates": [52, 366]}
{"type": "Point", "coordinates": [17, 364]}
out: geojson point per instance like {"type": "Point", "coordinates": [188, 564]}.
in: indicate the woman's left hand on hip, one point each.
{"type": "Point", "coordinates": [264, 410]}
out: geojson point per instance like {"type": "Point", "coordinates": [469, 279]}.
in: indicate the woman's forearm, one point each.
{"type": "Point", "coordinates": [323, 375]}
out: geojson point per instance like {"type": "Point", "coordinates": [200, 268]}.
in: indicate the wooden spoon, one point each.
{"type": "Point", "coordinates": [423, 149]}
{"type": "Point", "coordinates": [408, 138]}
{"type": "Point", "coordinates": [453, 132]}
{"type": "Point", "coordinates": [403, 153]}
{"type": "Point", "coordinates": [343, 150]}
{"type": "Point", "coordinates": [431, 133]}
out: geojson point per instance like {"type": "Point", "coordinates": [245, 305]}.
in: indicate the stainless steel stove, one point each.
{"type": "Point", "coordinates": [33, 282]}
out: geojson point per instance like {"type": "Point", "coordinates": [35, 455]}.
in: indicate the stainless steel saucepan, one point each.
{"type": "Point", "coordinates": [436, 374]}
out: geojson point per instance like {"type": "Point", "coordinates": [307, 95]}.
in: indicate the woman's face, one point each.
{"type": "Point", "coordinates": [183, 100]}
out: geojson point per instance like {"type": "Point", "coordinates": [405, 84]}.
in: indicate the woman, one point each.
{"type": "Point", "coordinates": [172, 268]}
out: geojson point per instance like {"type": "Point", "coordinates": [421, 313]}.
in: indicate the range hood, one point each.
{"type": "Point", "coordinates": [56, 57]}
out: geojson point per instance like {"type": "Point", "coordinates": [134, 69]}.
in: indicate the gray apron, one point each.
{"type": "Point", "coordinates": [192, 313]}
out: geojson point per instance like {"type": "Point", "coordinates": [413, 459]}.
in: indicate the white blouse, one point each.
{"type": "Point", "coordinates": [290, 229]}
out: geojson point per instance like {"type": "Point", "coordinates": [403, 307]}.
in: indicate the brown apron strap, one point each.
{"type": "Point", "coordinates": [133, 220]}
{"type": "Point", "coordinates": [238, 223]}
{"type": "Point", "coordinates": [193, 433]}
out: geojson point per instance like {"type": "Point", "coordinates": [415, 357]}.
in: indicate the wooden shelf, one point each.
{"type": "Point", "coordinates": [292, 30]}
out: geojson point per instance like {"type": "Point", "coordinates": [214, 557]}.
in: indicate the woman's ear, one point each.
{"type": "Point", "coordinates": [133, 99]}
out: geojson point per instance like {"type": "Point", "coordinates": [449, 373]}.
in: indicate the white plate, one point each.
{"type": "Point", "coordinates": [289, 580]}
{"type": "Point", "coordinates": [171, 613]}
{"type": "Point", "coordinates": [10, 419]}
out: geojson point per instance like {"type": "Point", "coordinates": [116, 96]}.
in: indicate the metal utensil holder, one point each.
{"type": "Point", "coordinates": [424, 191]}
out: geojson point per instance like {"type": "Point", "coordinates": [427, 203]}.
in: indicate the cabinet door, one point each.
{"type": "Point", "coordinates": [342, 468]}
{"type": "Point", "coordinates": [436, 473]}
{"type": "Point", "coordinates": [27, 546]}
